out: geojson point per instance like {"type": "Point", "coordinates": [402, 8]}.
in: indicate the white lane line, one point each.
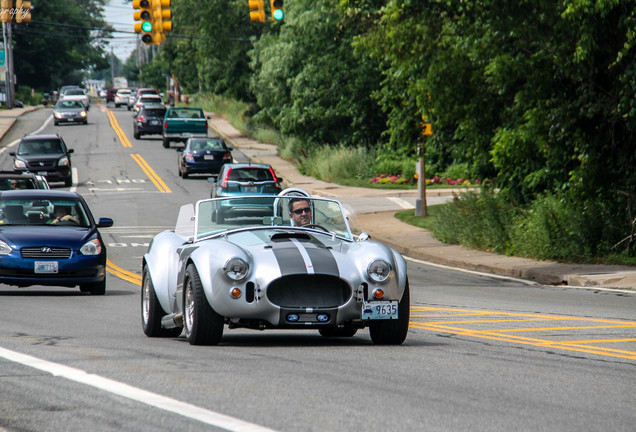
{"type": "Point", "coordinates": [402, 203]}
{"type": "Point", "coordinates": [152, 399]}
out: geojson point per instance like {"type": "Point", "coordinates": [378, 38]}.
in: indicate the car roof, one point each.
{"type": "Point", "coordinates": [246, 165]}
{"type": "Point", "coordinates": [40, 137]}
{"type": "Point", "coordinates": [17, 174]}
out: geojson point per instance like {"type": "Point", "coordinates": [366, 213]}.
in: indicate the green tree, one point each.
{"type": "Point", "coordinates": [64, 39]}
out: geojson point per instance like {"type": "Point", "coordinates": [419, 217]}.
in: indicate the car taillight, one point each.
{"type": "Point", "coordinates": [165, 125]}
{"type": "Point", "coordinates": [141, 118]}
{"type": "Point", "coordinates": [227, 156]}
{"type": "Point", "coordinates": [206, 124]}
{"type": "Point", "coordinates": [273, 175]}
{"type": "Point", "coordinates": [189, 157]}
{"type": "Point", "coordinates": [227, 176]}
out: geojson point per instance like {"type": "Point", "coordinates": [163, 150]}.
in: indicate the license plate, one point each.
{"type": "Point", "coordinates": [42, 173]}
{"type": "Point", "coordinates": [380, 310]}
{"type": "Point", "coordinates": [46, 267]}
{"type": "Point", "coordinates": [208, 157]}
{"type": "Point", "coordinates": [249, 189]}
{"type": "Point", "coordinates": [154, 122]}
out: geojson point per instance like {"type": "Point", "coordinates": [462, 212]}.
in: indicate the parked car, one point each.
{"type": "Point", "coordinates": [121, 97]}
{"type": "Point", "coordinates": [76, 94]}
{"type": "Point", "coordinates": [181, 123]}
{"type": "Point", "coordinates": [50, 238]}
{"type": "Point", "coordinates": [10, 180]}
{"type": "Point", "coordinates": [264, 273]}
{"type": "Point", "coordinates": [45, 155]}
{"type": "Point", "coordinates": [139, 92]}
{"type": "Point", "coordinates": [203, 156]}
{"type": "Point", "coordinates": [240, 179]}
{"type": "Point", "coordinates": [148, 121]}
{"type": "Point", "coordinates": [69, 111]}
{"type": "Point", "coordinates": [144, 100]}
{"type": "Point", "coordinates": [110, 95]}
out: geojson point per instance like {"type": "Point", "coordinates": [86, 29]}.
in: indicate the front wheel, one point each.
{"type": "Point", "coordinates": [166, 143]}
{"type": "Point", "coordinates": [203, 326]}
{"type": "Point", "coordinates": [152, 312]}
{"type": "Point", "coordinates": [97, 288]}
{"type": "Point", "coordinates": [393, 332]}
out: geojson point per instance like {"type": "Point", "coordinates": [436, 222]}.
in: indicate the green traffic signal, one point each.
{"type": "Point", "coordinates": [279, 14]}
{"type": "Point", "coordinates": [146, 26]}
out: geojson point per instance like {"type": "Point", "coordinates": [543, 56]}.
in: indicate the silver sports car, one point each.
{"type": "Point", "coordinates": [271, 262]}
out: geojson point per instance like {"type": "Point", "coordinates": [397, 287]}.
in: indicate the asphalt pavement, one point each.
{"type": "Point", "coordinates": [409, 240]}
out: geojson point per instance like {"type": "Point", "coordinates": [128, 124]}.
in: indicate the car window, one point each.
{"type": "Point", "coordinates": [185, 113]}
{"type": "Point", "coordinates": [207, 144]}
{"type": "Point", "coordinates": [154, 112]}
{"type": "Point", "coordinates": [250, 174]}
{"type": "Point", "coordinates": [38, 211]}
{"type": "Point", "coordinates": [69, 104]}
{"type": "Point", "coordinates": [75, 92]}
{"type": "Point", "coordinates": [40, 147]}
{"type": "Point", "coordinates": [17, 183]}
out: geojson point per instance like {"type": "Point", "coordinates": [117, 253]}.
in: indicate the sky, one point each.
{"type": "Point", "coordinates": [119, 14]}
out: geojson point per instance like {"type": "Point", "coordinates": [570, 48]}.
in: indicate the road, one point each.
{"type": "Point", "coordinates": [483, 353]}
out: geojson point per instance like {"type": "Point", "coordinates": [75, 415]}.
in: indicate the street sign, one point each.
{"type": "Point", "coordinates": [2, 58]}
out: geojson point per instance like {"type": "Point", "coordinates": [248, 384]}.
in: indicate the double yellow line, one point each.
{"type": "Point", "coordinates": [154, 178]}
{"type": "Point", "coordinates": [123, 274]}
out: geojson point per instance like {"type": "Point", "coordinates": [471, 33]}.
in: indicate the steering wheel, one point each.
{"type": "Point", "coordinates": [316, 226]}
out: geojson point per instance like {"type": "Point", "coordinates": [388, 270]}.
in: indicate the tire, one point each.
{"type": "Point", "coordinates": [202, 325]}
{"type": "Point", "coordinates": [97, 288]}
{"type": "Point", "coordinates": [166, 143]}
{"type": "Point", "coordinates": [184, 174]}
{"type": "Point", "coordinates": [116, 105]}
{"type": "Point", "coordinates": [393, 332]}
{"type": "Point", "coordinates": [68, 182]}
{"type": "Point", "coordinates": [137, 135]}
{"type": "Point", "coordinates": [56, 123]}
{"type": "Point", "coordinates": [86, 121]}
{"type": "Point", "coordinates": [152, 312]}
{"type": "Point", "coordinates": [338, 331]}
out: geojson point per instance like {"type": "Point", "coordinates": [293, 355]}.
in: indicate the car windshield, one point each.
{"type": "Point", "coordinates": [33, 147]}
{"type": "Point", "coordinates": [17, 183]}
{"type": "Point", "coordinates": [218, 215]}
{"type": "Point", "coordinates": [249, 174]}
{"type": "Point", "coordinates": [69, 104]}
{"type": "Point", "coordinates": [38, 211]}
{"type": "Point", "coordinates": [74, 92]}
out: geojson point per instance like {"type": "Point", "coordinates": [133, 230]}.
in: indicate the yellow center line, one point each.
{"type": "Point", "coordinates": [150, 173]}
{"type": "Point", "coordinates": [123, 274]}
{"type": "Point", "coordinates": [120, 133]}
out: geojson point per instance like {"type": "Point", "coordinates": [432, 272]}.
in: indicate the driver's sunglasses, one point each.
{"type": "Point", "coordinates": [302, 210]}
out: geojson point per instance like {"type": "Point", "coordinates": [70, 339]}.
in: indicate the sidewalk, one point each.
{"type": "Point", "coordinates": [418, 243]}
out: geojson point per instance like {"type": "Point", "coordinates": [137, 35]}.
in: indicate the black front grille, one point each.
{"type": "Point", "coordinates": [41, 165]}
{"type": "Point", "coordinates": [309, 291]}
{"type": "Point", "coordinates": [43, 252]}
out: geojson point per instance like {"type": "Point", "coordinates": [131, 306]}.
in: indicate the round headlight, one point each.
{"type": "Point", "coordinates": [93, 247]}
{"type": "Point", "coordinates": [236, 268]}
{"type": "Point", "coordinates": [379, 270]}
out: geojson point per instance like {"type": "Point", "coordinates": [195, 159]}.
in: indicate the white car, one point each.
{"type": "Point", "coordinates": [243, 262]}
{"type": "Point", "coordinates": [121, 97]}
{"type": "Point", "coordinates": [76, 94]}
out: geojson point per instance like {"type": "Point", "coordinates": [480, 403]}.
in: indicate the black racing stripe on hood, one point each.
{"type": "Point", "coordinates": [321, 257]}
{"type": "Point", "coordinates": [288, 258]}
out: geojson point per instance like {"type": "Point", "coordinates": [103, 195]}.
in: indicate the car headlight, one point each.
{"type": "Point", "coordinates": [57, 115]}
{"type": "Point", "coordinates": [5, 249]}
{"type": "Point", "coordinates": [83, 113]}
{"type": "Point", "coordinates": [93, 247]}
{"type": "Point", "coordinates": [63, 161]}
{"type": "Point", "coordinates": [236, 268]}
{"type": "Point", "coordinates": [19, 163]}
{"type": "Point", "coordinates": [379, 270]}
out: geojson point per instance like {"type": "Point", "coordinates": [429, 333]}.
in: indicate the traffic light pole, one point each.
{"type": "Point", "coordinates": [8, 51]}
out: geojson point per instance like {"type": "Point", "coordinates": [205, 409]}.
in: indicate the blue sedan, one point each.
{"type": "Point", "coordinates": [203, 156]}
{"type": "Point", "coordinates": [50, 238]}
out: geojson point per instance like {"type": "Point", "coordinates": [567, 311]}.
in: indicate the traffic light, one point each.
{"type": "Point", "coordinates": [146, 24]}
{"type": "Point", "coordinates": [257, 10]}
{"type": "Point", "coordinates": [277, 10]}
{"type": "Point", "coordinates": [162, 16]}
{"type": "Point", "coordinates": [5, 13]}
{"type": "Point", "coordinates": [23, 11]}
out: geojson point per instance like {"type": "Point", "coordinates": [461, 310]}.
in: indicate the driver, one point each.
{"type": "Point", "coordinates": [62, 215]}
{"type": "Point", "coordinates": [300, 211]}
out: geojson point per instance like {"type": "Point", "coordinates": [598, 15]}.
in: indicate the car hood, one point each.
{"type": "Point", "coordinates": [62, 236]}
{"type": "Point", "coordinates": [67, 110]}
{"type": "Point", "coordinates": [41, 157]}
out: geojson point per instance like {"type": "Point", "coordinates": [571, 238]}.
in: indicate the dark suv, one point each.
{"type": "Point", "coordinates": [45, 155]}
{"type": "Point", "coordinates": [148, 121]}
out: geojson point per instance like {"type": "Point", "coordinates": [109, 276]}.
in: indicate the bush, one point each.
{"type": "Point", "coordinates": [333, 163]}
{"type": "Point", "coordinates": [24, 94]}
